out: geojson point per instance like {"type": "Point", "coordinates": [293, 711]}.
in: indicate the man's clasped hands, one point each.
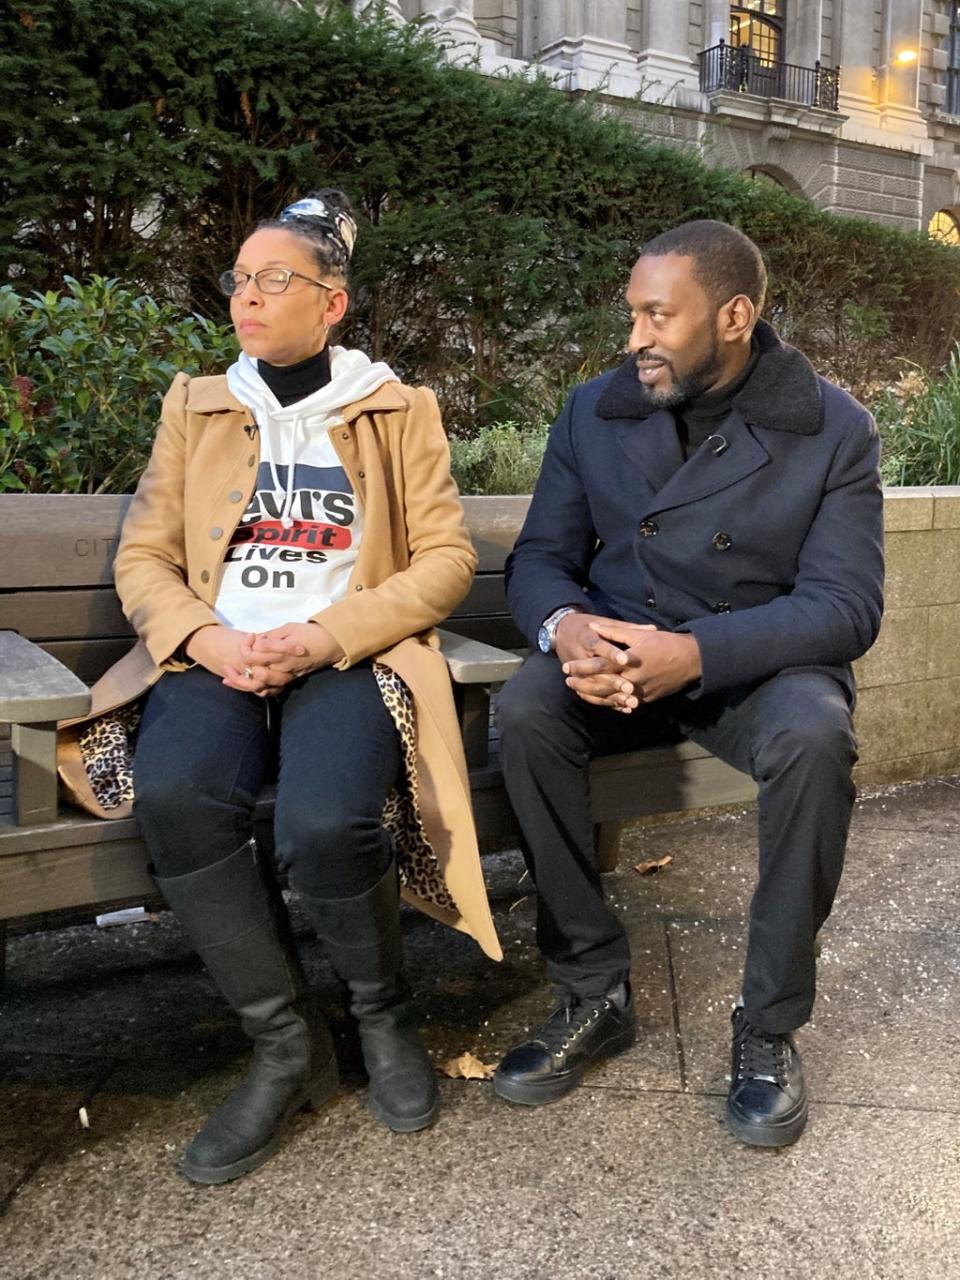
{"type": "Point", "coordinates": [620, 664]}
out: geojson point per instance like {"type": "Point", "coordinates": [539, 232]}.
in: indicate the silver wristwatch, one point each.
{"type": "Point", "coordinates": [547, 635]}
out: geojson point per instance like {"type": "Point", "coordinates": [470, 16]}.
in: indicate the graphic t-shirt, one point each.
{"type": "Point", "coordinates": [275, 574]}
{"type": "Point", "coordinates": [295, 546]}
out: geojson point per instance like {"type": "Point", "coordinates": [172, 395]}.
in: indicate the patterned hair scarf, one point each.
{"type": "Point", "coordinates": [336, 224]}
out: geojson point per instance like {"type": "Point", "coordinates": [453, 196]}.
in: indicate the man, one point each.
{"type": "Point", "coordinates": [702, 555]}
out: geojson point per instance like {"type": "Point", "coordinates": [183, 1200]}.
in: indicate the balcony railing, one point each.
{"type": "Point", "coordinates": [741, 71]}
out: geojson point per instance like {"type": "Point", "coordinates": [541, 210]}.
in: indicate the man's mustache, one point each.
{"type": "Point", "coordinates": [646, 356]}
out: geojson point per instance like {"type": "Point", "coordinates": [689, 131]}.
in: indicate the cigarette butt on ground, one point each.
{"type": "Point", "coordinates": [128, 915]}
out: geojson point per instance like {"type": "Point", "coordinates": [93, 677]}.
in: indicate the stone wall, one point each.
{"type": "Point", "coordinates": [908, 714]}
{"type": "Point", "coordinates": [885, 185]}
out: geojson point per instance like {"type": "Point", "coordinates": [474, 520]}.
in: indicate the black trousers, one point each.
{"type": "Point", "coordinates": [204, 750]}
{"type": "Point", "coordinates": [793, 734]}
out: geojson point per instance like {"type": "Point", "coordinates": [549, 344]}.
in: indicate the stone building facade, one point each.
{"type": "Point", "coordinates": [854, 104]}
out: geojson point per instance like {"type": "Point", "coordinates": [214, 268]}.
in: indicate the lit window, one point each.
{"type": "Point", "coordinates": [944, 226]}
{"type": "Point", "coordinates": [758, 25]}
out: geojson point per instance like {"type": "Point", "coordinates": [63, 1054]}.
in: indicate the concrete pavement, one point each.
{"type": "Point", "coordinates": [633, 1175]}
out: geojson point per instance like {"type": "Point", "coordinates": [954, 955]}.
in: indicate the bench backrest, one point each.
{"type": "Point", "coordinates": [56, 580]}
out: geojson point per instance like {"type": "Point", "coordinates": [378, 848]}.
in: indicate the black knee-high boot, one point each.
{"type": "Point", "coordinates": [229, 914]}
{"type": "Point", "coordinates": [362, 937]}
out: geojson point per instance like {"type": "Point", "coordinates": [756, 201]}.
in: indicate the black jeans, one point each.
{"type": "Point", "coordinates": [793, 734]}
{"type": "Point", "coordinates": [204, 750]}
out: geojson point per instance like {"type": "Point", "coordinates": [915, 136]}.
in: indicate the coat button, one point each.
{"type": "Point", "coordinates": [216, 532]}
{"type": "Point", "coordinates": [361, 475]}
{"type": "Point", "coordinates": [236, 495]}
{"type": "Point", "coordinates": [648, 529]}
{"type": "Point", "coordinates": [205, 575]}
{"type": "Point", "coordinates": [358, 587]}
{"type": "Point", "coordinates": [721, 607]}
{"type": "Point", "coordinates": [251, 460]}
{"type": "Point", "coordinates": [651, 602]}
{"type": "Point", "coordinates": [344, 435]}
{"type": "Point", "coordinates": [722, 541]}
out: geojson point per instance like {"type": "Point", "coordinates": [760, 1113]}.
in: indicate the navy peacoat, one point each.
{"type": "Point", "coordinates": [766, 544]}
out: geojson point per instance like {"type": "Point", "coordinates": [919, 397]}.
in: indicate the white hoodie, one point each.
{"type": "Point", "coordinates": [295, 546]}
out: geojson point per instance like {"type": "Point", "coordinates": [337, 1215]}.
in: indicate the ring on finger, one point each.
{"type": "Point", "coordinates": [248, 673]}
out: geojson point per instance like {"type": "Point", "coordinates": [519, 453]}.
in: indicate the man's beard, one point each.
{"type": "Point", "coordinates": [693, 383]}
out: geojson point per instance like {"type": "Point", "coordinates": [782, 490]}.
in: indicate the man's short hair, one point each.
{"type": "Point", "coordinates": [726, 262]}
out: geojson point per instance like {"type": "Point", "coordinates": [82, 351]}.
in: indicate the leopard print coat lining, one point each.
{"type": "Point", "coordinates": [107, 745]}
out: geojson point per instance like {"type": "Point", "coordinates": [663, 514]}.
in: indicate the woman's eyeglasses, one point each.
{"type": "Point", "coordinates": [269, 280]}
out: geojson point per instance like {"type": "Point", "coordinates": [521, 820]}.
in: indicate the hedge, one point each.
{"type": "Point", "coordinates": [499, 217]}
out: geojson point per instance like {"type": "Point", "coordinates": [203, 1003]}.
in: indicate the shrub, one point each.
{"type": "Point", "coordinates": [82, 375]}
{"type": "Point", "coordinates": [499, 218]}
{"type": "Point", "coordinates": [502, 458]}
{"type": "Point", "coordinates": [919, 421]}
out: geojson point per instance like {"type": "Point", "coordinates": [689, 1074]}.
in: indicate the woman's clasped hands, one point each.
{"type": "Point", "coordinates": [263, 662]}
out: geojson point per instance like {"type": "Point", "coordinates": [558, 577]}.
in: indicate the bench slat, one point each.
{"type": "Point", "coordinates": [487, 595]}
{"type": "Point", "coordinates": [63, 539]}
{"type": "Point", "coordinates": [64, 614]}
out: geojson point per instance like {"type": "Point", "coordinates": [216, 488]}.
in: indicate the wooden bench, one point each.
{"type": "Point", "coordinates": [56, 593]}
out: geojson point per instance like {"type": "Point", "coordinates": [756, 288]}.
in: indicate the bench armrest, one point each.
{"type": "Point", "coordinates": [34, 687]}
{"type": "Point", "coordinates": [473, 667]}
{"type": "Point", "coordinates": [35, 692]}
{"type": "Point", "coordinates": [472, 662]}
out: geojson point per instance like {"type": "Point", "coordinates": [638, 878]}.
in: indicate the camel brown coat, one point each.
{"type": "Point", "coordinates": [415, 564]}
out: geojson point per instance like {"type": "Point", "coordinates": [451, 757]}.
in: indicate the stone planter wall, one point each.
{"type": "Point", "coordinates": [908, 714]}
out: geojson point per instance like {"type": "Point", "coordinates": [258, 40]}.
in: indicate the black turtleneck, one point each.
{"type": "Point", "coordinates": [293, 382]}
{"type": "Point", "coordinates": [699, 418]}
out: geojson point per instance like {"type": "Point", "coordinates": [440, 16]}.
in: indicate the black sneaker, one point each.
{"type": "Point", "coordinates": [767, 1102]}
{"type": "Point", "coordinates": [582, 1032]}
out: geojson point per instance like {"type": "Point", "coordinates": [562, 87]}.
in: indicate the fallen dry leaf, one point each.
{"type": "Point", "coordinates": [652, 867]}
{"type": "Point", "coordinates": [467, 1067]}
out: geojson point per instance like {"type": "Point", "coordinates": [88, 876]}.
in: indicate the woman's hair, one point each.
{"type": "Point", "coordinates": [325, 220]}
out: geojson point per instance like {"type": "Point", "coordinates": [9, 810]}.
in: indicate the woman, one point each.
{"type": "Point", "coordinates": [292, 542]}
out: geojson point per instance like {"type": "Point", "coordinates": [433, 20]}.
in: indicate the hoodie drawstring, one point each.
{"type": "Point", "coordinates": [286, 515]}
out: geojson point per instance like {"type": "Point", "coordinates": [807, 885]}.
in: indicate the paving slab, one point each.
{"type": "Point", "coordinates": [933, 805]}
{"type": "Point", "coordinates": [713, 868]}
{"type": "Point", "coordinates": [632, 1176]}
{"type": "Point", "coordinates": [41, 1097]}
{"type": "Point", "coordinates": [599, 1186]}
{"type": "Point", "coordinates": [885, 1029]}
{"type": "Point", "coordinates": [901, 881]}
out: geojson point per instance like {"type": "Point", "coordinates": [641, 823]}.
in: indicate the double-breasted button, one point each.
{"type": "Point", "coordinates": [205, 575]}
{"type": "Point", "coordinates": [358, 587]}
{"type": "Point", "coordinates": [648, 528]}
{"type": "Point", "coordinates": [361, 475]}
{"type": "Point", "coordinates": [651, 602]}
{"type": "Point", "coordinates": [216, 532]}
{"type": "Point", "coordinates": [344, 435]}
{"type": "Point", "coordinates": [722, 606]}
{"type": "Point", "coordinates": [722, 541]}
{"type": "Point", "coordinates": [251, 460]}
{"type": "Point", "coordinates": [235, 495]}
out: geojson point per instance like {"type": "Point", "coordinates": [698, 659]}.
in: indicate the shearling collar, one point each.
{"type": "Point", "coordinates": [782, 393]}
